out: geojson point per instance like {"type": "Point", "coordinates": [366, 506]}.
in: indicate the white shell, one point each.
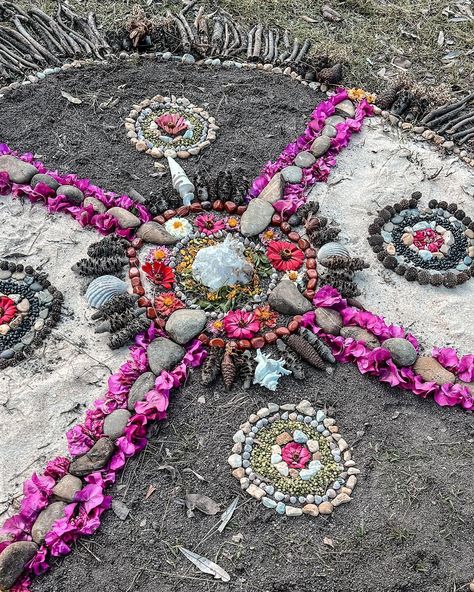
{"type": "Point", "coordinates": [268, 371]}
{"type": "Point", "coordinates": [332, 250]}
{"type": "Point", "coordinates": [181, 182]}
{"type": "Point", "coordinates": [103, 288]}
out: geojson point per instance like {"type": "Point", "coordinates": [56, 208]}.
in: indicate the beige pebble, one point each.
{"type": "Point", "coordinates": [239, 473]}
{"type": "Point", "coordinates": [255, 491]}
{"type": "Point", "coordinates": [23, 305]}
{"type": "Point", "coordinates": [343, 445]}
{"type": "Point", "coordinates": [325, 508]}
{"type": "Point", "coordinates": [141, 146]}
{"type": "Point", "coordinates": [342, 498]}
{"type": "Point", "coordinates": [311, 509]}
{"type": "Point", "coordinates": [351, 482]}
{"type": "Point", "coordinates": [237, 448]}
{"type": "Point", "coordinates": [4, 329]}
{"type": "Point", "coordinates": [292, 511]}
{"type": "Point", "coordinates": [283, 438]}
{"type": "Point", "coordinates": [353, 471]}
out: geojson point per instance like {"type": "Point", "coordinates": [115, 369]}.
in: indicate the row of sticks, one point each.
{"type": "Point", "coordinates": [32, 39]}
{"type": "Point", "coordinates": [455, 119]}
{"type": "Point", "coordinates": [218, 35]}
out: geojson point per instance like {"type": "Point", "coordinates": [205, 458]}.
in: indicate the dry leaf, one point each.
{"type": "Point", "coordinates": [330, 14]}
{"type": "Point", "coordinates": [206, 565]}
{"type": "Point", "coordinates": [227, 514]}
{"type": "Point", "coordinates": [401, 62]}
{"type": "Point", "coordinates": [329, 542]}
{"type": "Point", "coordinates": [151, 490]}
{"type": "Point", "coordinates": [441, 38]}
{"type": "Point", "coordinates": [70, 98]}
{"type": "Point", "coordinates": [308, 19]}
{"type": "Point", "coordinates": [203, 503]}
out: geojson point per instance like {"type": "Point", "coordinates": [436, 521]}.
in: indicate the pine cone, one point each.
{"type": "Point", "coordinates": [225, 185]}
{"type": "Point", "coordinates": [245, 368]}
{"type": "Point", "coordinates": [402, 102]}
{"type": "Point", "coordinates": [387, 97]}
{"type": "Point", "coordinates": [308, 209]}
{"type": "Point", "coordinates": [348, 263]}
{"type": "Point", "coordinates": [293, 362]}
{"type": "Point", "coordinates": [117, 321]}
{"type": "Point", "coordinates": [331, 75]}
{"type": "Point", "coordinates": [108, 247]}
{"type": "Point", "coordinates": [211, 366]}
{"type": "Point", "coordinates": [126, 335]}
{"type": "Point", "coordinates": [228, 367]}
{"type": "Point", "coordinates": [320, 62]}
{"type": "Point", "coordinates": [117, 304]}
{"type": "Point", "coordinates": [347, 288]}
{"type": "Point", "coordinates": [305, 350]}
{"type": "Point", "coordinates": [200, 183]}
{"type": "Point", "coordinates": [323, 236]}
{"type": "Point", "coordinates": [241, 187]}
{"type": "Point", "coordinates": [321, 348]}
{"type": "Point", "coordinates": [95, 267]}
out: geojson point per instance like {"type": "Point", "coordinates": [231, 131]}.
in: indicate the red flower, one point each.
{"type": "Point", "coordinates": [295, 455]}
{"type": "Point", "coordinates": [266, 316]}
{"type": "Point", "coordinates": [171, 123]}
{"type": "Point", "coordinates": [284, 256]}
{"type": "Point", "coordinates": [240, 324]}
{"type": "Point", "coordinates": [7, 309]}
{"type": "Point", "coordinates": [166, 303]}
{"type": "Point", "coordinates": [159, 274]}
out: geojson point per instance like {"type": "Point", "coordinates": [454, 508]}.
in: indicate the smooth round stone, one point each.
{"type": "Point", "coordinates": [45, 521]}
{"type": "Point", "coordinates": [432, 371]}
{"type": "Point", "coordinates": [359, 334]}
{"type": "Point", "coordinates": [292, 174]}
{"type": "Point", "coordinates": [5, 274]}
{"type": "Point", "coordinates": [329, 131]}
{"type": "Point", "coordinates": [397, 219]}
{"type": "Point", "coordinates": [46, 180]}
{"type": "Point", "coordinates": [73, 194]}
{"type": "Point", "coordinates": [235, 461]}
{"type": "Point", "coordinates": [67, 487]}
{"type": "Point", "coordinates": [188, 59]}
{"type": "Point", "coordinates": [18, 170]}
{"type": "Point", "coordinates": [425, 255]}
{"type": "Point", "coordinates": [280, 508]}
{"type": "Point", "coordinates": [7, 354]}
{"type": "Point", "coordinates": [300, 437]}
{"type": "Point", "coordinates": [467, 261]}
{"type": "Point", "coordinates": [13, 560]}
{"type": "Point", "coordinates": [402, 351]}
{"type": "Point", "coordinates": [24, 305]}
{"type": "Point", "coordinates": [116, 422]}
{"type": "Point", "coordinates": [279, 496]}
{"type": "Point", "coordinates": [184, 324]}
{"type": "Point", "coordinates": [304, 159]}
{"type": "Point", "coordinates": [334, 120]}
{"type": "Point", "coordinates": [268, 503]}
{"type": "Point", "coordinates": [164, 354]}
{"type": "Point", "coordinates": [320, 146]}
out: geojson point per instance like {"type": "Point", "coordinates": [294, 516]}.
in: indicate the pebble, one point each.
{"type": "Point", "coordinates": [239, 437]}
{"type": "Point", "coordinates": [310, 509]}
{"type": "Point", "coordinates": [235, 461]}
{"type": "Point", "coordinates": [329, 131]}
{"type": "Point", "coordinates": [275, 459]}
{"type": "Point", "coordinates": [115, 423]}
{"type": "Point", "coordinates": [280, 508]}
{"type": "Point", "coordinates": [255, 491]}
{"type": "Point", "coordinates": [13, 560]}
{"type": "Point", "coordinates": [283, 438]}
{"type": "Point", "coordinates": [325, 508]}
{"type": "Point", "coordinates": [45, 521]}
{"type": "Point", "coordinates": [291, 511]}
{"type": "Point", "coordinates": [402, 351]}
{"type": "Point", "coordinates": [185, 324]}
{"type": "Point", "coordinates": [360, 334]}
{"type": "Point", "coordinates": [263, 412]}
{"type": "Point", "coordinates": [432, 371]}
{"type": "Point", "coordinates": [97, 457]}
{"type": "Point", "coordinates": [96, 204]}
{"type": "Point", "coordinates": [346, 108]}
{"type": "Point", "coordinates": [306, 408]}
{"type": "Point", "coordinates": [304, 159]}
{"type": "Point", "coordinates": [300, 437]}
{"type": "Point", "coordinates": [125, 218]}
{"type": "Point", "coordinates": [313, 445]}
{"type": "Point", "coordinates": [238, 473]}
{"type": "Point", "coordinates": [342, 498]}
{"type": "Point", "coordinates": [269, 503]}
{"type": "Point", "coordinates": [256, 217]}
{"type": "Point", "coordinates": [23, 305]}
{"type": "Point", "coordinates": [292, 174]}
{"type": "Point", "coordinates": [144, 384]}
{"type": "Point", "coordinates": [18, 171]}
{"type": "Point", "coordinates": [46, 180]}
{"type": "Point", "coordinates": [351, 482]}
{"type": "Point", "coordinates": [282, 468]}
{"type": "Point", "coordinates": [287, 299]}
{"type": "Point", "coordinates": [244, 483]}
{"type": "Point", "coordinates": [334, 120]}
{"type": "Point", "coordinates": [274, 190]}
{"type": "Point", "coordinates": [164, 354]}
{"type": "Point", "coordinates": [320, 146]}
{"type": "Point", "coordinates": [330, 321]}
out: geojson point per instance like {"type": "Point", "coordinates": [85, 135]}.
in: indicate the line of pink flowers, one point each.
{"type": "Point", "coordinates": [378, 362]}
{"type": "Point", "coordinates": [83, 516]}
{"type": "Point", "coordinates": [294, 194]}
{"type": "Point", "coordinates": [85, 215]}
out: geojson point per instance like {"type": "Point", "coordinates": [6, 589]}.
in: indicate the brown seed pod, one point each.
{"type": "Point", "coordinates": [228, 368]}
{"type": "Point", "coordinates": [210, 368]}
{"type": "Point", "coordinates": [306, 351]}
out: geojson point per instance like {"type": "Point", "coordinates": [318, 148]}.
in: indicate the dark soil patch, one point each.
{"type": "Point", "coordinates": [259, 114]}
{"type": "Point", "coordinates": [408, 527]}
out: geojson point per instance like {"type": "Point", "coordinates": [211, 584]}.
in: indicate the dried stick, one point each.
{"type": "Point", "coordinates": [294, 53]}
{"type": "Point", "coordinates": [450, 123]}
{"type": "Point", "coordinates": [185, 41]}
{"type": "Point", "coordinates": [217, 33]}
{"type": "Point", "coordinates": [270, 51]}
{"type": "Point", "coordinates": [21, 43]}
{"type": "Point", "coordinates": [21, 29]}
{"type": "Point", "coordinates": [93, 27]}
{"type": "Point", "coordinates": [12, 54]}
{"type": "Point", "coordinates": [460, 135]}
{"type": "Point", "coordinates": [275, 46]}
{"type": "Point", "coordinates": [446, 108]}
{"type": "Point", "coordinates": [250, 36]}
{"type": "Point", "coordinates": [462, 123]}
{"type": "Point", "coordinates": [446, 117]}
{"type": "Point", "coordinates": [303, 51]}
{"type": "Point", "coordinates": [468, 137]}
{"type": "Point", "coordinates": [257, 46]}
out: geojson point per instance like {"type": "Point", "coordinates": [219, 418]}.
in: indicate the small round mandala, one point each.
{"type": "Point", "coordinates": [29, 309]}
{"type": "Point", "coordinates": [433, 245]}
{"type": "Point", "coordinates": [293, 460]}
{"type": "Point", "coordinates": [170, 126]}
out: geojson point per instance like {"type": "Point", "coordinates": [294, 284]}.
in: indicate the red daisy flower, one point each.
{"type": "Point", "coordinates": [266, 316]}
{"type": "Point", "coordinates": [284, 256]}
{"type": "Point", "coordinates": [159, 274]}
{"type": "Point", "coordinates": [7, 309]}
{"type": "Point", "coordinates": [166, 303]}
{"type": "Point", "coordinates": [240, 324]}
{"type": "Point", "coordinates": [295, 455]}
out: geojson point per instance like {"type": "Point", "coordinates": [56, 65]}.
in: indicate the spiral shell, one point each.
{"type": "Point", "coordinates": [331, 250]}
{"type": "Point", "coordinates": [103, 288]}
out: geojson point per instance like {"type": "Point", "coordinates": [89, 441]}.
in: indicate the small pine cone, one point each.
{"type": "Point", "coordinates": [228, 368]}
{"type": "Point", "coordinates": [375, 239]}
{"type": "Point", "coordinates": [241, 187]}
{"type": "Point", "coordinates": [411, 274]}
{"type": "Point", "coordinates": [293, 362]}
{"type": "Point", "coordinates": [381, 256]}
{"type": "Point", "coordinates": [308, 209]}
{"type": "Point", "coordinates": [404, 203]}
{"type": "Point", "coordinates": [424, 277]}
{"type": "Point", "coordinates": [462, 277]}
{"type": "Point", "coordinates": [443, 205]}
{"type": "Point", "coordinates": [450, 280]}
{"type": "Point", "coordinates": [387, 97]}
{"type": "Point", "coordinates": [305, 350]}
{"type": "Point", "coordinates": [436, 279]}
{"type": "Point", "coordinates": [374, 229]}
{"type": "Point", "coordinates": [390, 262]}
{"type": "Point", "coordinates": [225, 185]}
{"type": "Point", "coordinates": [108, 246]}
{"type": "Point", "coordinates": [213, 189]}
{"type": "Point", "coordinates": [200, 184]}
{"type": "Point", "coordinates": [433, 203]}
{"type": "Point", "coordinates": [320, 62]}
{"type": "Point", "coordinates": [210, 368]}
{"type": "Point", "coordinates": [321, 348]}
{"type": "Point", "coordinates": [397, 207]}
{"type": "Point", "coordinates": [245, 368]}
{"type": "Point", "coordinates": [347, 289]}
{"type": "Point", "coordinates": [127, 334]}
{"type": "Point", "coordinates": [385, 214]}
{"type": "Point", "coordinates": [400, 269]}
{"type": "Point", "coordinates": [332, 75]}
{"type": "Point", "coordinates": [118, 303]}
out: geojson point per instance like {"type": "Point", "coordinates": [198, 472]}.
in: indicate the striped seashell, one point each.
{"type": "Point", "coordinates": [103, 288]}
{"type": "Point", "coordinates": [330, 250]}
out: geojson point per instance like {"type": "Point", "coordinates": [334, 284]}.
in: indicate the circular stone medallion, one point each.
{"type": "Point", "coordinates": [293, 460]}
{"type": "Point", "coordinates": [29, 308]}
{"type": "Point", "coordinates": [170, 126]}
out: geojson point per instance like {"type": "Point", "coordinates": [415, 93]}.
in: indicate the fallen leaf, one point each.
{"type": "Point", "coordinates": [401, 62]}
{"type": "Point", "coordinates": [308, 19]}
{"type": "Point", "coordinates": [203, 503]}
{"type": "Point", "coordinates": [70, 98]}
{"type": "Point", "coordinates": [451, 55]}
{"type": "Point", "coordinates": [150, 491]}
{"type": "Point", "coordinates": [441, 38]}
{"type": "Point", "coordinates": [120, 509]}
{"type": "Point", "coordinates": [206, 565]}
{"type": "Point", "coordinates": [329, 542]}
{"type": "Point", "coordinates": [330, 14]}
{"type": "Point", "coordinates": [227, 514]}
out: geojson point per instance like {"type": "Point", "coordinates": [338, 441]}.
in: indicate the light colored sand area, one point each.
{"type": "Point", "coordinates": [380, 167]}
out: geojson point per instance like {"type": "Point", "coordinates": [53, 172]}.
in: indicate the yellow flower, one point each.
{"type": "Point", "coordinates": [160, 254]}
{"type": "Point", "coordinates": [232, 222]}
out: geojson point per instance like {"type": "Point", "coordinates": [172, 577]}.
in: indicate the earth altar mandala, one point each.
{"type": "Point", "coordinates": [29, 308]}
{"type": "Point", "coordinates": [170, 126]}
{"type": "Point", "coordinates": [293, 460]}
{"type": "Point", "coordinates": [434, 245]}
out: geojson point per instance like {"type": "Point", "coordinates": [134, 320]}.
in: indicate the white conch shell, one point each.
{"type": "Point", "coordinates": [103, 288]}
{"type": "Point", "coordinates": [181, 181]}
{"type": "Point", "coordinates": [332, 250]}
{"type": "Point", "coordinates": [268, 371]}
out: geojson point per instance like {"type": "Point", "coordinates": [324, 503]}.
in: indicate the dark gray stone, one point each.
{"type": "Point", "coordinates": [46, 180]}
{"type": "Point", "coordinates": [256, 217]}
{"type": "Point", "coordinates": [329, 320]}
{"type": "Point", "coordinates": [360, 334]}
{"type": "Point", "coordinates": [287, 299]}
{"type": "Point", "coordinates": [125, 218]}
{"type": "Point", "coordinates": [73, 194]}
{"type": "Point", "coordinates": [164, 354]}
{"type": "Point", "coordinates": [18, 171]}
{"type": "Point", "coordinates": [329, 131]}
{"type": "Point", "coordinates": [115, 423]}
{"type": "Point", "coordinates": [97, 457]}
{"type": "Point", "coordinates": [402, 351]}
{"type": "Point", "coordinates": [334, 120]}
{"type": "Point", "coordinates": [304, 159]}
{"type": "Point", "coordinates": [44, 523]}
{"type": "Point", "coordinates": [152, 232]}
{"type": "Point", "coordinates": [184, 324]}
{"type": "Point", "coordinates": [13, 560]}
{"type": "Point", "coordinates": [320, 146]}
{"type": "Point", "coordinates": [292, 174]}
{"type": "Point", "coordinates": [142, 385]}
{"type": "Point", "coordinates": [67, 487]}
{"type": "Point", "coordinates": [96, 204]}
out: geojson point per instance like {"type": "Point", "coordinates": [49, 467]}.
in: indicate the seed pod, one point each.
{"type": "Point", "coordinates": [228, 367]}
{"type": "Point", "coordinates": [211, 366]}
{"type": "Point", "coordinates": [305, 350]}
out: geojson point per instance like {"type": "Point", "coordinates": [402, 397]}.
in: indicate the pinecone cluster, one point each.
{"type": "Point", "coordinates": [340, 274]}
{"type": "Point", "coordinates": [226, 186]}
{"type": "Point", "coordinates": [230, 364]}
{"type": "Point", "coordinates": [106, 257]}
